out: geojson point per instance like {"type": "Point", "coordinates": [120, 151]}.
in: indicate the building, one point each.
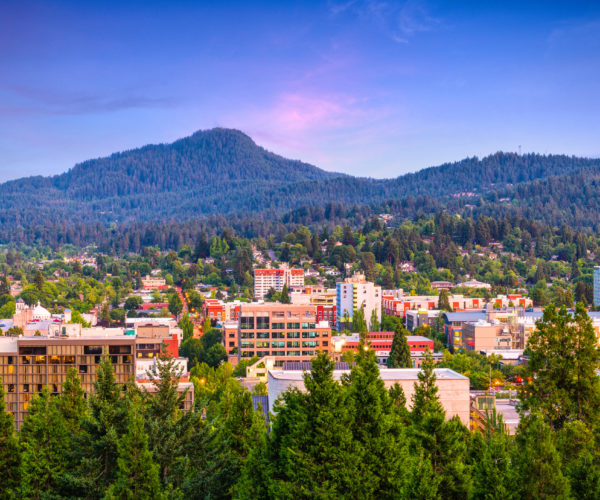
{"type": "Point", "coordinates": [485, 336]}
{"type": "Point", "coordinates": [381, 343]}
{"type": "Point", "coordinates": [395, 303]}
{"type": "Point", "coordinates": [353, 294]}
{"type": "Point", "coordinates": [286, 331]}
{"type": "Point", "coordinates": [453, 388]}
{"type": "Point", "coordinates": [153, 282]}
{"type": "Point", "coordinates": [415, 319]}
{"type": "Point", "coordinates": [323, 298]}
{"type": "Point", "coordinates": [454, 322]}
{"type": "Point", "coordinates": [27, 364]}
{"type": "Point", "coordinates": [597, 286]}
{"type": "Point", "coordinates": [265, 279]}
{"type": "Point", "coordinates": [475, 284]}
{"type": "Point", "coordinates": [217, 310]}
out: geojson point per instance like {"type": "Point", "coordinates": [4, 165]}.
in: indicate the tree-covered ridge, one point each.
{"type": "Point", "coordinates": [223, 171]}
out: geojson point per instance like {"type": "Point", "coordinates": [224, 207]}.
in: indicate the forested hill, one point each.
{"type": "Point", "coordinates": [222, 171]}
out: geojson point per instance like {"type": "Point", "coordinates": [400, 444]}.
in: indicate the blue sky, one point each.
{"type": "Point", "coordinates": [372, 88]}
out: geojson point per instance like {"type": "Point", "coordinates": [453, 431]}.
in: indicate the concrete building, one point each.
{"type": "Point", "coordinates": [415, 319]}
{"type": "Point", "coordinates": [286, 331]}
{"type": "Point", "coordinates": [453, 388]}
{"type": "Point", "coordinates": [353, 294]}
{"type": "Point", "coordinates": [265, 279]}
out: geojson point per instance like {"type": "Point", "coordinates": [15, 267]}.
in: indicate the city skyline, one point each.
{"type": "Point", "coordinates": [360, 87]}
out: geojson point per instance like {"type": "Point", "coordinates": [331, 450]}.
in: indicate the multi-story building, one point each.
{"type": "Point", "coordinates": [217, 310]}
{"type": "Point", "coordinates": [286, 331]}
{"type": "Point", "coordinates": [265, 279]}
{"type": "Point", "coordinates": [454, 322]}
{"type": "Point", "coordinates": [381, 343]}
{"type": "Point", "coordinates": [27, 364]}
{"type": "Point", "coordinates": [485, 336]}
{"type": "Point", "coordinates": [153, 282]}
{"type": "Point", "coordinates": [353, 294]}
{"type": "Point", "coordinates": [453, 388]}
{"type": "Point", "coordinates": [597, 286]}
{"type": "Point", "coordinates": [395, 303]}
{"type": "Point", "coordinates": [323, 298]}
{"type": "Point", "coordinates": [415, 319]}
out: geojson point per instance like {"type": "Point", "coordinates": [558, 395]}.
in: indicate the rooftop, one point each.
{"type": "Point", "coordinates": [385, 373]}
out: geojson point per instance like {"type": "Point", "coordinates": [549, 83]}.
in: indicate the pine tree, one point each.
{"type": "Point", "coordinates": [285, 295]}
{"type": "Point", "coordinates": [490, 460]}
{"type": "Point", "coordinates": [169, 427]}
{"type": "Point", "coordinates": [425, 398]}
{"type": "Point", "coordinates": [563, 364]}
{"type": "Point", "coordinates": [400, 352]}
{"type": "Point", "coordinates": [137, 475]}
{"type": "Point", "coordinates": [312, 452]}
{"type": "Point", "coordinates": [105, 423]}
{"type": "Point", "coordinates": [384, 464]}
{"type": "Point", "coordinates": [536, 465]}
{"type": "Point", "coordinates": [9, 451]}
{"type": "Point", "coordinates": [444, 301]}
{"type": "Point", "coordinates": [44, 445]}
{"type": "Point", "coordinates": [578, 448]}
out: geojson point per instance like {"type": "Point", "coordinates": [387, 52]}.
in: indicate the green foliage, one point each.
{"type": "Point", "coordinates": [175, 304]}
{"type": "Point", "coordinates": [564, 360]}
{"type": "Point", "coordinates": [400, 351]}
{"type": "Point", "coordinates": [9, 451]}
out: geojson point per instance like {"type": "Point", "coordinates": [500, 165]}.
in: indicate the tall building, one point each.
{"type": "Point", "coordinates": [286, 331]}
{"type": "Point", "coordinates": [265, 279]}
{"type": "Point", "coordinates": [597, 285]}
{"type": "Point", "coordinates": [354, 293]}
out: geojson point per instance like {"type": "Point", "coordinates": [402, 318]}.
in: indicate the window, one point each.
{"type": "Point", "coordinates": [83, 369]}
{"type": "Point", "coordinates": [309, 335]}
{"type": "Point", "coordinates": [92, 349]}
{"type": "Point", "coordinates": [11, 387]}
{"type": "Point", "coordinates": [247, 322]}
{"type": "Point", "coordinates": [308, 325]}
{"type": "Point", "coordinates": [293, 335]}
{"type": "Point", "coordinates": [247, 335]}
{"type": "Point", "coordinates": [293, 325]}
{"type": "Point", "coordinates": [278, 326]}
{"type": "Point", "coordinates": [31, 350]}
{"type": "Point", "coordinates": [263, 345]}
{"type": "Point", "coordinates": [310, 343]}
{"type": "Point", "coordinates": [277, 335]}
{"type": "Point", "coordinates": [262, 323]}
{"type": "Point", "coordinates": [119, 349]}
{"type": "Point", "coordinates": [278, 344]}
{"type": "Point", "coordinates": [262, 335]}
{"type": "Point", "coordinates": [293, 344]}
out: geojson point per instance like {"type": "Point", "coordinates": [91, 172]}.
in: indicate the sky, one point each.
{"type": "Point", "coordinates": [370, 88]}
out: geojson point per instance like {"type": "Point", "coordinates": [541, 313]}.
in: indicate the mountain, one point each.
{"type": "Point", "coordinates": [222, 171]}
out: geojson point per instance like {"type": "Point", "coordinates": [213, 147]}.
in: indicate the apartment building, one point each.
{"type": "Point", "coordinates": [323, 298]}
{"type": "Point", "coordinates": [286, 331]}
{"type": "Point", "coordinates": [217, 310]}
{"type": "Point", "coordinates": [398, 304]}
{"type": "Point", "coordinates": [353, 294]}
{"type": "Point", "coordinates": [415, 319]}
{"type": "Point", "coordinates": [265, 279]}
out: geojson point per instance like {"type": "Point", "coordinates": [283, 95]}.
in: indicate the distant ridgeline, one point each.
{"type": "Point", "coordinates": [220, 172]}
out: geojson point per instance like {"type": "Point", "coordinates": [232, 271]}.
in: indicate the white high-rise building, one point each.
{"type": "Point", "coordinates": [354, 293]}
{"type": "Point", "coordinates": [597, 285]}
{"type": "Point", "coordinates": [265, 279]}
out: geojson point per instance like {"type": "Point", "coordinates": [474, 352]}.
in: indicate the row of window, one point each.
{"type": "Point", "coordinates": [260, 354]}
{"type": "Point", "coordinates": [279, 344]}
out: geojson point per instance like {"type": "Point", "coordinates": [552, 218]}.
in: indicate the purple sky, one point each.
{"type": "Point", "coordinates": [370, 88]}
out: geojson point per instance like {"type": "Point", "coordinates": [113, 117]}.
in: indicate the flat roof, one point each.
{"type": "Point", "coordinates": [465, 316]}
{"type": "Point", "coordinates": [385, 374]}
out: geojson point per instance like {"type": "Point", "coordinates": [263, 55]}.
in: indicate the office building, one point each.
{"type": "Point", "coordinates": [286, 331]}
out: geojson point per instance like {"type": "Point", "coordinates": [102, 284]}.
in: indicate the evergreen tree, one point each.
{"type": "Point", "coordinates": [578, 448]}
{"type": "Point", "coordinates": [311, 449]}
{"type": "Point", "coordinates": [9, 451]}
{"type": "Point", "coordinates": [359, 324]}
{"type": "Point", "coordinates": [490, 460]}
{"type": "Point", "coordinates": [137, 475]}
{"type": "Point", "coordinates": [563, 363]}
{"type": "Point", "coordinates": [400, 352]}
{"type": "Point", "coordinates": [425, 398]}
{"type": "Point", "coordinates": [444, 301]}
{"type": "Point", "coordinates": [103, 426]}
{"type": "Point", "coordinates": [536, 465]}
{"type": "Point", "coordinates": [384, 464]}
{"type": "Point", "coordinates": [285, 295]}
{"type": "Point", "coordinates": [44, 445]}
{"type": "Point", "coordinates": [169, 427]}
{"type": "Point", "coordinates": [38, 280]}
